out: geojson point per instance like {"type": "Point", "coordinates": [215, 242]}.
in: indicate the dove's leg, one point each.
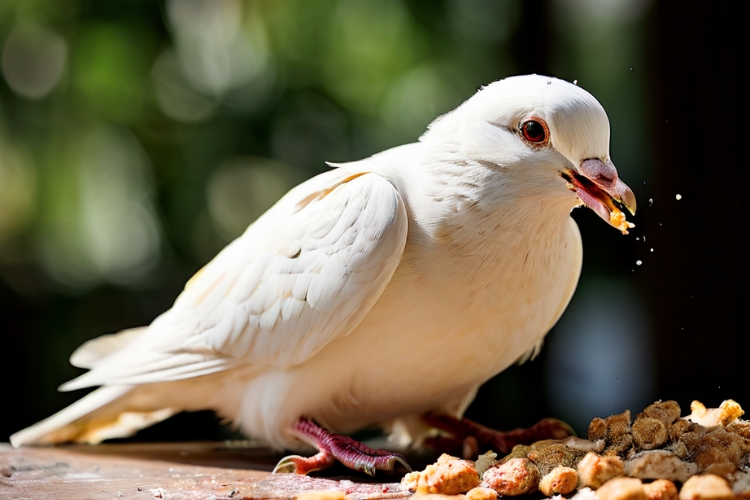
{"type": "Point", "coordinates": [346, 450]}
{"type": "Point", "coordinates": [468, 437]}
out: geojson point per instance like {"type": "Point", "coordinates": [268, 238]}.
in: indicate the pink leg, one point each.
{"type": "Point", "coordinates": [346, 450]}
{"type": "Point", "coordinates": [467, 435]}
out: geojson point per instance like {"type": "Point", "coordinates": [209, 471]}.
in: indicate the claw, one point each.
{"type": "Point", "coordinates": [295, 464]}
{"type": "Point", "coordinates": [286, 465]}
{"type": "Point", "coordinates": [397, 460]}
{"type": "Point", "coordinates": [367, 469]}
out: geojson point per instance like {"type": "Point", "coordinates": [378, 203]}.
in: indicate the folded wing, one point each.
{"type": "Point", "coordinates": [304, 274]}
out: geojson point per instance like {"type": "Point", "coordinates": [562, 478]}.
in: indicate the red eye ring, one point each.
{"type": "Point", "coordinates": [535, 130]}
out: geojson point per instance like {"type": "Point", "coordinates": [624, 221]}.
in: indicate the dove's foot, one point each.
{"type": "Point", "coordinates": [346, 450]}
{"type": "Point", "coordinates": [468, 438]}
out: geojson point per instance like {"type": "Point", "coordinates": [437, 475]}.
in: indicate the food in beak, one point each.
{"type": "Point", "coordinates": [598, 187]}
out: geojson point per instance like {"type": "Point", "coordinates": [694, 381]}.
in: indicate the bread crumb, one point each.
{"type": "Point", "coordinates": [661, 489]}
{"type": "Point", "coordinates": [449, 476]}
{"type": "Point", "coordinates": [480, 493]}
{"type": "Point", "coordinates": [649, 433]}
{"type": "Point", "coordinates": [728, 412]}
{"type": "Point", "coordinates": [517, 476]}
{"type": "Point", "coordinates": [659, 464]}
{"type": "Point", "coordinates": [562, 480]}
{"type": "Point", "coordinates": [595, 470]}
{"type": "Point", "coordinates": [622, 488]}
{"type": "Point", "coordinates": [705, 487]}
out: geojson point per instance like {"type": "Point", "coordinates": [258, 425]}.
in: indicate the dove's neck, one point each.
{"type": "Point", "coordinates": [478, 204]}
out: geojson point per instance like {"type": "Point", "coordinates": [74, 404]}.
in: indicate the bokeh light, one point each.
{"type": "Point", "coordinates": [33, 60]}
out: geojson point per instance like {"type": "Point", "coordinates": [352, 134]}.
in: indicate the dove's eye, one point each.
{"type": "Point", "coordinates": [535, 131]}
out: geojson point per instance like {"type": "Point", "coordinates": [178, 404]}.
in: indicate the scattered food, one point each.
{"type": "Point", "coordinates": [485, 461]}
{"type": "Point", "coordinates": [659, 464]}
{"type": "Point", "coordinates": [661, 489]}
{"type": "Point", "coordinates": [517, 476]}
{"type": "Point", "coordinates": [622, 488]}
{"type": "Point", "coordinates": [480, 493]}
{"type": "Point", "coordinates": [595, 470]}
{"type": "Point", "coordinates": [728, 412]}
{"type": "Point", "coordinates": [322, 495]}
{"type": "Point", "coordinates": [705, 487]}
{"type": "Point", "coordinates": [448, 476]}
{"type": "Point", "coordinates": [678, 197]}
{"type": "Point", "coordinates": [708, 452]}
{"type": "Point", "coordinates": [560, 481]}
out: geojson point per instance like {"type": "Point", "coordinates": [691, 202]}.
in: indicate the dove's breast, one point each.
{"type": "Point", "coordinates": [454, 315]}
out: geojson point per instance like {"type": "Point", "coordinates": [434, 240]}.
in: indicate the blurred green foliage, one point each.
{"type": "Point", "coordinates": [129, 129]}
{"type": "Point", "coordinates": [137, 138]}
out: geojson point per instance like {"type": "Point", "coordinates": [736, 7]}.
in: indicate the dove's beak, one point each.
{"type": "Point", "coordinates": [597, 185]}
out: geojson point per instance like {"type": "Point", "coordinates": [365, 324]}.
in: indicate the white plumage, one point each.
{"type": "Point", "coordinates": [371, 293]}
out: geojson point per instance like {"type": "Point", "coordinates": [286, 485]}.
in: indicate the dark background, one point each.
{"type": "Point", "coordinates": [137, 138]}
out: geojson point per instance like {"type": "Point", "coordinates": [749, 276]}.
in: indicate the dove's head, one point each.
{"type": "Point", "coordinates": [549, 135]}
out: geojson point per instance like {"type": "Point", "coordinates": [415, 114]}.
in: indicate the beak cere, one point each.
{"type": "Point", "coordinates": [597, 185]}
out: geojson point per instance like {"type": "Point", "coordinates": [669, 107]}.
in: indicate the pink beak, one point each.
{"type": "Point", "coordinates": [598, 186]}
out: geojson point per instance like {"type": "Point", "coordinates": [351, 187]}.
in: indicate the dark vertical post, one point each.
{"type": "Point", "coordinates": [701, 142]}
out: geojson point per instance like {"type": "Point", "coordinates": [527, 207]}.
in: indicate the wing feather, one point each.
{"type": "Point", "coordinates": [304, 274]}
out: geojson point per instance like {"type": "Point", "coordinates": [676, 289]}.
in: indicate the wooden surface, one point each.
{"type": "Point", "coordinates": [235, 470]}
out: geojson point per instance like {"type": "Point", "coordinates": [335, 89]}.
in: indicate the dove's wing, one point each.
{"type": "Point", "coordinates": [305, 273]}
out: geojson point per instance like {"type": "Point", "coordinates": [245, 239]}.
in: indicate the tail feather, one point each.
{"type": "Point", "coordinates": [102, 414]}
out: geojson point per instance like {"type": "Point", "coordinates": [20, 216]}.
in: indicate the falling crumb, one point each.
{"type": "Point", "coordinates": [652, 249]}
{"type": "Point", "coordinates": [678, 197]}
{"type": "Point", "coordinates": [650, 201]}
{"type": "Point", "coordinates": [638, 262]}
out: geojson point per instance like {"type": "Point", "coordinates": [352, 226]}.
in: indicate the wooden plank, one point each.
{"type": "Point", "coordinates": [175, 471]}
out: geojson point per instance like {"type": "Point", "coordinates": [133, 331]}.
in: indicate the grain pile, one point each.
{"type": "Point", "coordinates": [707, 453]}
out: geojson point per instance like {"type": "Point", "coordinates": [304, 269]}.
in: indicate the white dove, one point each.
{"type": "Point", "coordinates": [376, 292]}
